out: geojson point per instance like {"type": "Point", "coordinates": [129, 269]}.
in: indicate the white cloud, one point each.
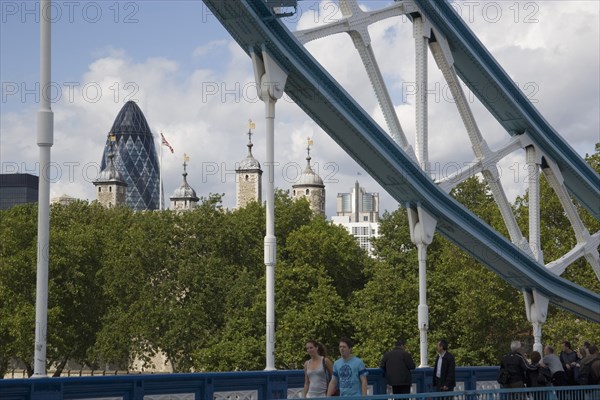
{"type": "Point", "coordinates": [208, 48]}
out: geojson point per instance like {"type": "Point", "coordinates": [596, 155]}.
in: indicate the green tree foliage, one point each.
{"type": "Point", "coordinates": [126, 285]}
{"type": "Point", "coordinates": [73, 307]}
{"type": "Point", "coordinates": [75, 253]}
{"type": "Point", "coordinates": [18, 244]}
{"type": "Point", "coordinates": [386, 308]}
{"type": "Point", "coordinates": [469, 305]}
{"type": "Point", "coordinates": [323, 268]}
{"type": "Point", "coordinates": [487, 313]}
{"type": "Point", "coordinates": [307, 295]}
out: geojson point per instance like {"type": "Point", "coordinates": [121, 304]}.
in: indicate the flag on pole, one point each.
{"type": "Point", "coordinates": [165, 143]}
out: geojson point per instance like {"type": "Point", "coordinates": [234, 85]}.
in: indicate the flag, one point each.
{"type": "Point", "coordinates": [165, 143]}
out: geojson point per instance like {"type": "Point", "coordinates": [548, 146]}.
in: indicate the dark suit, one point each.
{"type": "Point", "coordinates": [447, 376]}
{"type": "Point", "coordinates": [396, 365]}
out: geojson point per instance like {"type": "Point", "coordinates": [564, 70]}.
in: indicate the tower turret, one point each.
{"type": "Point", "coordinates": [248, 176]}
{"type": "Point", "coordinates": [111, 187]}
{"type": "Point", "coordinates": [310, 185]}
{"type": "Point", "coordinates": [184, 198]}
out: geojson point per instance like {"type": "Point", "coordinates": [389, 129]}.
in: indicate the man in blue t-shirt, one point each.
{"type": "Point", "coordinates": [349, 373]}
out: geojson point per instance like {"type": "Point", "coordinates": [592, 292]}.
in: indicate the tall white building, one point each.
{"type": "Point", "coordinates": [358, 212]}
{"type": "Point", "coordinates": [358, 205]}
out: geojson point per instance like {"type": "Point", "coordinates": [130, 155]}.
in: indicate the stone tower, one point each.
{"type": "Point", "coordinates": [111, 188]}
{"type": "Point", "coordinates": [310, 185]}
{"type": "Point", "coordinates": [248, 177]}
{"type": "Point", "coordinates": [184, 198]}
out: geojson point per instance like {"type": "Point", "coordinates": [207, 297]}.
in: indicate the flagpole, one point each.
{"type": "Point", "coordinates": [45, 140]}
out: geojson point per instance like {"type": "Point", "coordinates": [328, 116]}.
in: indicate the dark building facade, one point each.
{"type": "Point", "coordinates": [18, 189]}
{"type": "Point", "coordinates": [135, 158]}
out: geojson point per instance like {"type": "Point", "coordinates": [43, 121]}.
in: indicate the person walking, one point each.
{"type": "Point", "coordinates": [349, 372]}
{"type": "Point", "coordinates": [516, 366]}
{"type": "Point", "coordinates": [317, 370]}
{"type": "Point", "coordinates": [444, 375]}
{"type": "Point", "coordinates": [396, 365]}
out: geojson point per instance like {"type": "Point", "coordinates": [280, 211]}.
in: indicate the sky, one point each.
{"type": "Point", "coordinates": [196, 86]}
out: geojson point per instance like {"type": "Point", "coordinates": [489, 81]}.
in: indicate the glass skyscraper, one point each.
{"type": "Point", "coordinates": [135, 157]}
{"type": "Point", "coordinates": [18, 189]}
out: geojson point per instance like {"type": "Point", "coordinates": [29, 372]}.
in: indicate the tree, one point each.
{"type": "Point", "coordinates": [74, 311]}
{"type": "Point", "coordinates": [329, 246]}
{"type": "Point", "coordinates": [307, 299]}
{"type": "Point", "coordinates": [469, 305]}
{"type": "Point", "coordinates": [488, 313]}
{"type": "Point", "coordinates": [76, 249]}
{"type": "Point", "coordinates": [387, 306]}
{"type": "Point", "coordinates": [18, 236]}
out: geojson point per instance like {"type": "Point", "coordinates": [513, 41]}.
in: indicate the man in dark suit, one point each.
{"type": "Point", "coordinates": [444, 378]}
{"type": "Point", "coordinates": [396, 365]}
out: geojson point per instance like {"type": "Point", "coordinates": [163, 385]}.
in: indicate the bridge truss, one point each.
{"type": "Point", "coordinates": [405, 173]}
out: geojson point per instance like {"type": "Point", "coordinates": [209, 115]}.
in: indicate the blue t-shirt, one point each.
{"type": "Point", "coordinates": [348, 373]}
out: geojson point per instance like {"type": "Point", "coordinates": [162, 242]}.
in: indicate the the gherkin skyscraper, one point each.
{"type": "Point", "coordinates": [135, 157]}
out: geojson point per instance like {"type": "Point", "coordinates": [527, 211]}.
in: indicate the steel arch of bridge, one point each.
{"type": "Point", "coordinates": [253, 25]}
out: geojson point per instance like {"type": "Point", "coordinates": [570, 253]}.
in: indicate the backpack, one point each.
{"type": "Point", "coordinates": [544, 377]}
{"type": "Point", "coordinates": [503, 376]}
{"type": "Point", "coordinates": [328, 378]}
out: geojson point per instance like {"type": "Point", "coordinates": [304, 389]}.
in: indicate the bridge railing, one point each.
{"type": "Point", "coordinates": [253, 385]}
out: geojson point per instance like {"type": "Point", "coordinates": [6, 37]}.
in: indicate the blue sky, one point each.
{"type": "Point", "coordinates": [194, 84]}
{"type": "Point", "coordinates": [83, 31]}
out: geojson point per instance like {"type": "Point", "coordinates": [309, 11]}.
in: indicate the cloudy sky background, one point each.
{"type": "Point", "coordinates": [195, 85]}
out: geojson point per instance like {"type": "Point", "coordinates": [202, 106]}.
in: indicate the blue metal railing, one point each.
{"type": "Point", "coordinates": [265, 384]}
{"type": "Point", "coordinates": [542, 393]}
{"type": "Point", "coordinates": [474, 383]}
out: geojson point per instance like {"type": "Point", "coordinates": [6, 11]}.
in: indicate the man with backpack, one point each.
{"type": "Point", "coordinates": [514, 367]}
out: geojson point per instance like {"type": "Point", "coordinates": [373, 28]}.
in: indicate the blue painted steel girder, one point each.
{"type": "Point", "coordinates": [253, 26]}
{"type": "Point", "coordinates": [502, 97]}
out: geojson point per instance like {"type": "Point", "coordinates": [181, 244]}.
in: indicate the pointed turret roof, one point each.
{"type": "Point", "coordinates": [110, 173]}
{"type": "Point", "coordinates": [185, 191]}
{"type": "Point", "coordinates": [309, 177]}
{"type": "Point", "coordinates": [249, 163]}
